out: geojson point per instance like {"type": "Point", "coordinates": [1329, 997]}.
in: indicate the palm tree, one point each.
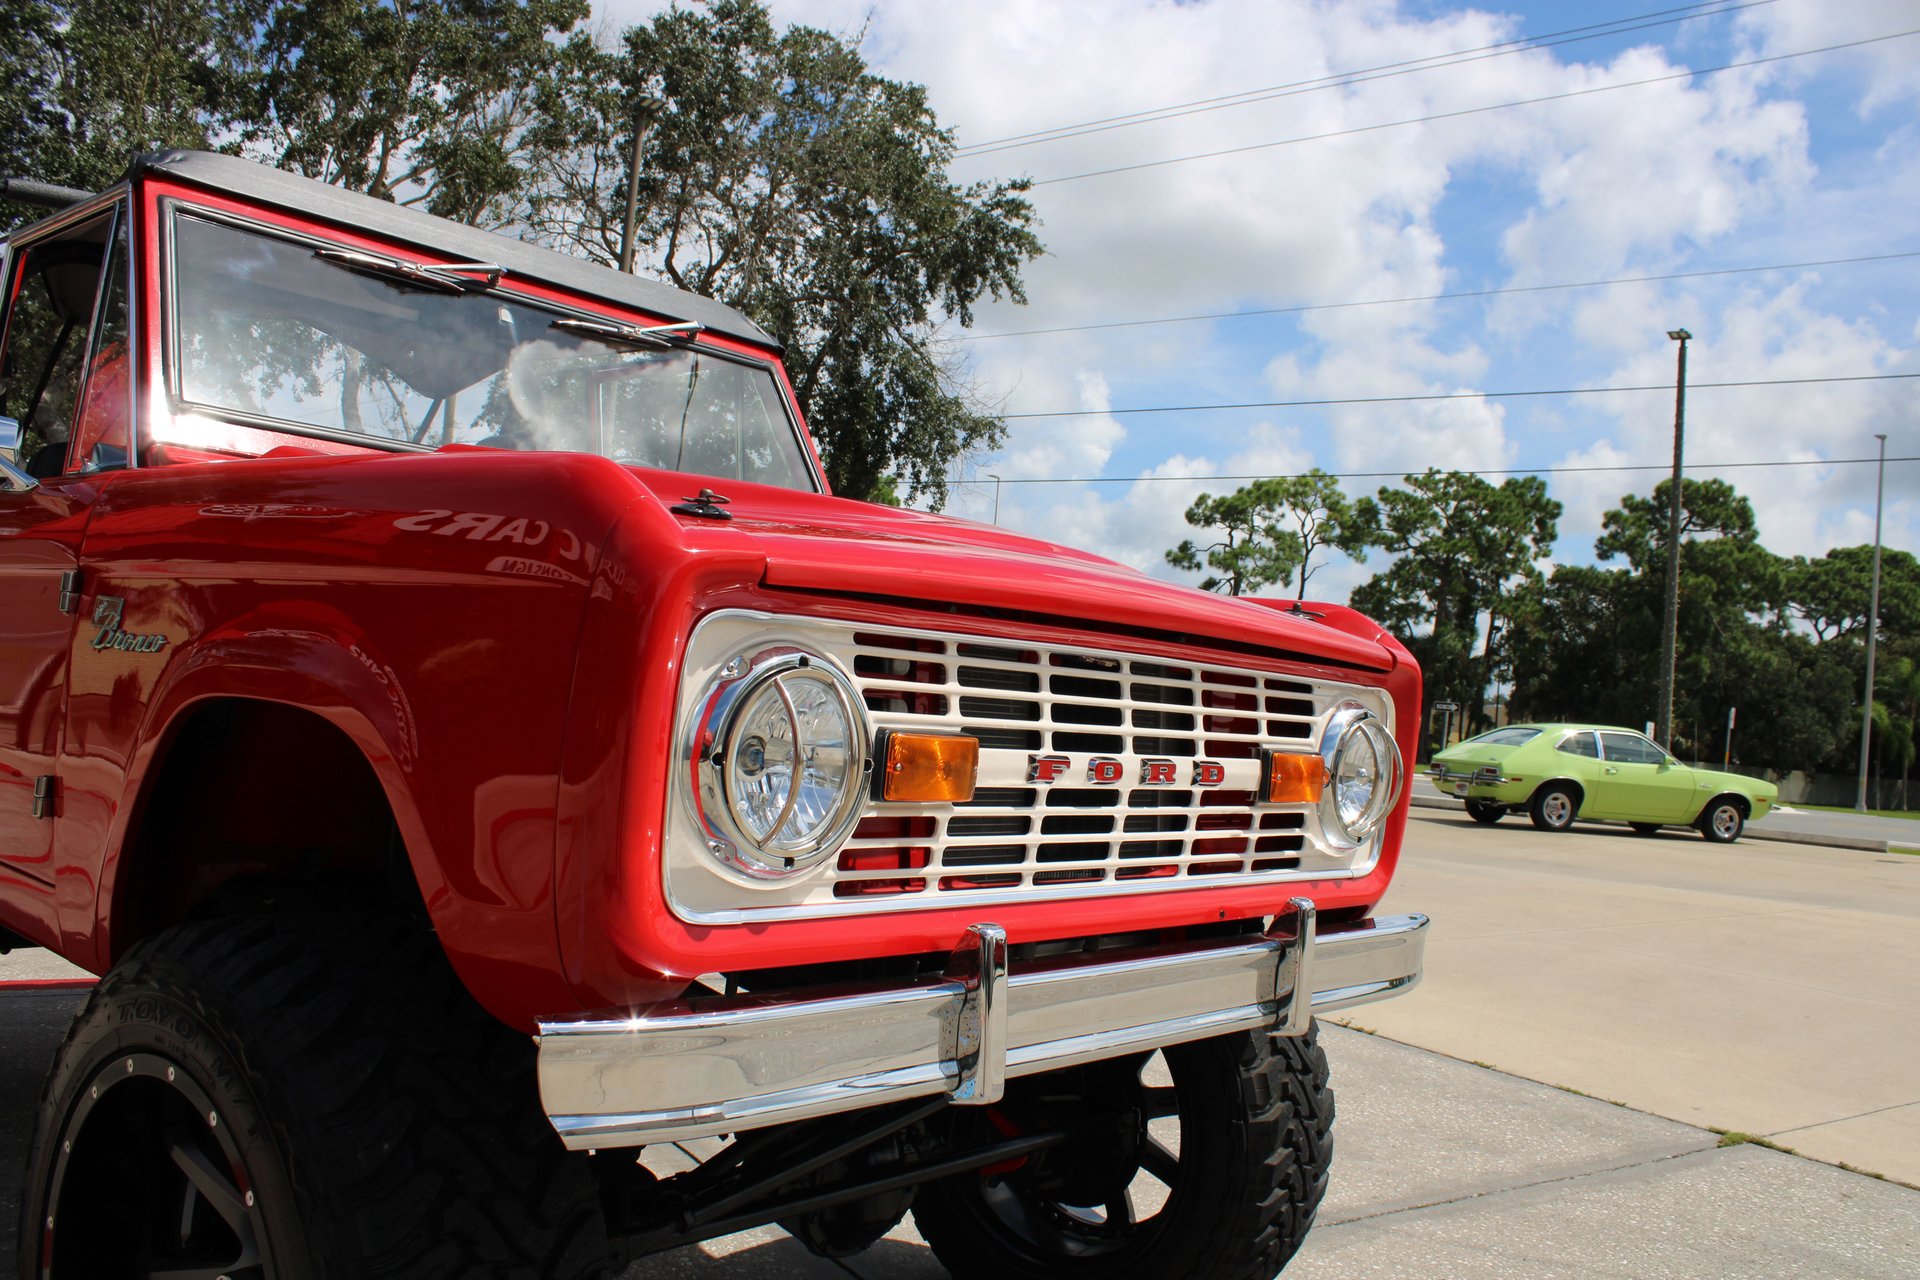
{"type": "Point", "coordinates": [1896, 715]}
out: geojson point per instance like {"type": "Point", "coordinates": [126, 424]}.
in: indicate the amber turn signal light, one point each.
{"type": "Point", "coordinates": [927, 766]}
{"type": "Point", "coordinates": [1292, 777]}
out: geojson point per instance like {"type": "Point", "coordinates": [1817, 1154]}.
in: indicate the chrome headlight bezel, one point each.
{"type": "Point", "coordinates": [1352, 727]}
{"type": "Point", "coordinates": [711, 759]}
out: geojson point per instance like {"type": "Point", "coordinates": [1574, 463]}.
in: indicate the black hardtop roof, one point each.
{"type": "Point", "coordinates": [308, 197]}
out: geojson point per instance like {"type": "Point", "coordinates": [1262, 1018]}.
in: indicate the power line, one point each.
{"type": "Point", "coordinates": [1365, 75]}
{"type": "Point", "coordinates": [1446, 395]}
{"type": "Point", "coordinates": [1473, 111]}
{"type": "Point", "coordinates": [1437, 297]}
{"type": "Point", "coordinates": [1478, 471]}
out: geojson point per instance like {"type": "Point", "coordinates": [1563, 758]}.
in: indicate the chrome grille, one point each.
{"type": "Point", "coordinates": [1018, 839]}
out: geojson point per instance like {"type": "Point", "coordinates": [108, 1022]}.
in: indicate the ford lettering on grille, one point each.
{"type": "Point", "coordinates": [1111, 771]}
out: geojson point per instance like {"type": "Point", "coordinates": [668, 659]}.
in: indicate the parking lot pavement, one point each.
{"type": "Point", "coordinates": [1768, 988]}
{"type": "Point", "coordinates": [1442, 1168]}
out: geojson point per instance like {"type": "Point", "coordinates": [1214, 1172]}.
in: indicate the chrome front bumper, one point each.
{"type": "Point", "coordinates": [747, 1062]}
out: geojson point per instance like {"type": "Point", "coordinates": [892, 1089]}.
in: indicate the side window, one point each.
{"type": "Point", "coordinates": [1631, 748]}
{"type": "Point", "coordinates": [1579, 744]}
{"type": "Point", "coordinates": [53, 288]}
{"type": "Point", "coordinates": [103, 431]}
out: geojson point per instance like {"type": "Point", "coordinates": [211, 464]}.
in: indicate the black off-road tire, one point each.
{"type": "Point", "coordinates": [1722, 821]}
{"type": "Point", "coordinates": [1256, 1145]}
{"type": "Point", "coordinates": [346, 1108]}
{"type": "Point", "coordinates": [1554, 807]}
{"type": "Point", "coordinates": [1485, 812]}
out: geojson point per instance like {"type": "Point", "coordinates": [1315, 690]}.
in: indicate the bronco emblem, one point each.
{"type": "Point", "coordinates": [106, 616]}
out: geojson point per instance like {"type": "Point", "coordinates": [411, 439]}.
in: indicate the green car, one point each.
{"type": "Point", "coordinates": [1556, 773]}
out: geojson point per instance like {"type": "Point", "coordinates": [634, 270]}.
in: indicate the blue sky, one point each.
{"type": "Point", "coordinates": [1798, 158]}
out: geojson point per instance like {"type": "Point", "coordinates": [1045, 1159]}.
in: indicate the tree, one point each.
{"type": "Point", "coordinates": [89, 84]}
{"type": "Point", "coordinates": [1896, 717]}
{"type": "Point", "coordinates": [784, 178]}
{"type": "Point", "coordinates": [1585, 639]}
{"type": "Point", "coordinates": [453, 106]}
{"type": "Point", "coordinates": [1463, 547]}
{"type": "Point", "coordinates": [1272, 528]}
{"type": "Point", "coordinates": [1578, 645]}
{"type": "Point", "coordinates": [1723, 568]}
{"type": "Point", "coordinates": [1832, 594]}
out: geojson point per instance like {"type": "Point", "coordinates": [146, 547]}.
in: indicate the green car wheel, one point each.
{"type": "Point", "coordinates": [1723, 820]}
{"type": "Point", "coordinates": [1553, 808]}
{"type": "Point", "coordinates": [1485, 812]}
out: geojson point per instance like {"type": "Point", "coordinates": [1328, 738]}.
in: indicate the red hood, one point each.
{"type": "Point", "coordinates": [840, 547]}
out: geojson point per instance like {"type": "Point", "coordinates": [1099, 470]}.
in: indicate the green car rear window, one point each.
{"type": "Point", "coordinates": [1579, 744]}
{"type": "Point", "coordinates": [1512, 736]}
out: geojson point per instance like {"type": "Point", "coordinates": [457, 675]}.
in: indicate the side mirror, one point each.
{"type": "Point", "coordinates": [12, 478]}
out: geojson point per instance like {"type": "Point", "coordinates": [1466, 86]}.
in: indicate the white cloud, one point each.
{"type": "Point", "coordinates": [1745, 167]}
{"type": "Point", "coordinates": [1887, 73]}
{"type": "Point", "coordinates": [1801, 510]}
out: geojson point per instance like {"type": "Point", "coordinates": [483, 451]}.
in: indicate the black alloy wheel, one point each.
{"type": "Point", "coordinates": [1205, 1160]}
{"type": "Point", "coordinates": [296, 1096]}
{"type": "Point", "coordinates": [148, 1181]}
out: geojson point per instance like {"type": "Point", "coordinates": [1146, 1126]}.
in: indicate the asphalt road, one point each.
{"type": "Point", "coordinates": [1768, 988]}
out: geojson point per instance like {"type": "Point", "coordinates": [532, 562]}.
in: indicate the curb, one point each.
{"type": "Point", "coordinates": [1754, 832]}
{"type": "Point", "coordinates": [1808, 837]}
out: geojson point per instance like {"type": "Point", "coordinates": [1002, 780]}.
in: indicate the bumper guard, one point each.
{"type": "Point", "coordinates": [740, 1063]}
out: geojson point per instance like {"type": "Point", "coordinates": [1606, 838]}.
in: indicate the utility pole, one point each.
{"type": "Point", "coordinates": [645, 112]}
{"type": "Point", "coordinates": [1670, 628]}
{"type": "Point", "coordinates": [1873, 618]}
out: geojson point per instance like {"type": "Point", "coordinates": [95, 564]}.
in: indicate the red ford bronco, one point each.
{"type": "Point", "coordinates": [524, 822]}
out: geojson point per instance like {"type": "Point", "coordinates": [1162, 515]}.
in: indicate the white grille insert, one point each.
{"type": "Point", "coordinates": [1201, 724]}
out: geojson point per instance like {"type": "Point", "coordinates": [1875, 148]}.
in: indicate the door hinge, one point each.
{"type": "Point", "coordinates": [45, 791]}
{"type": "Point", "coordinates": [70, 590]}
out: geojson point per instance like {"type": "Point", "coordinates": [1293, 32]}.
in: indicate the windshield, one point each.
{"type": "Point", "coordinates": [264, 327]}
{"type": "Point", "coordinates": [1507, 737]}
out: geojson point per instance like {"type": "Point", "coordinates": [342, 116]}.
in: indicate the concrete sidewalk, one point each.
{"type": "Point", "coordinates": [1449, 1169]}
{"type": "Point", "coordinates": [1444, 1168]}
{"type": "Point", "coordinates": [1846, 830]}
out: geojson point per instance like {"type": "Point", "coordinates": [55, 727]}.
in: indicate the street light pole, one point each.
{"type": "Point", "coordinates": [996, 496]}
{"type": "Point", "coordinates": [1670, 626]}
{"type": "Point", "coordinates": [645, 112]}
{"type": "Point", "coordinates": [1873, 617]}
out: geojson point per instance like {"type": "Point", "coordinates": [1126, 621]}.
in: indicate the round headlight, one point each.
{"type": "Point", "coordinates": [1363, 776]}
{"type": "Point", "coordinates": [779, 756]}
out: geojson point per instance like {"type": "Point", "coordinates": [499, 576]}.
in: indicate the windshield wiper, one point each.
{"type": "Point", "coordinates": [447, 277]}
{"type": "Point", "coordinates": [658, 336]}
